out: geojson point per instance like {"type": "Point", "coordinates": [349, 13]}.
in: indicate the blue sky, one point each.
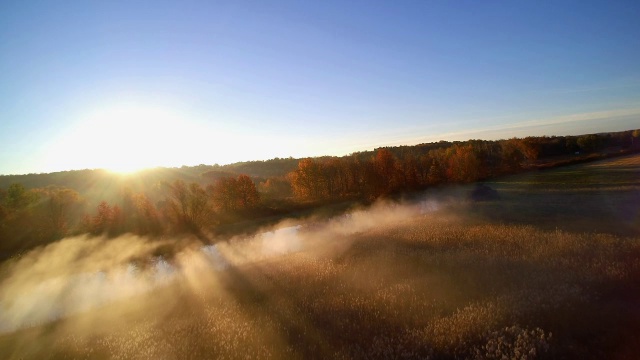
{"type": "Point", "coordinates": [127, 84]}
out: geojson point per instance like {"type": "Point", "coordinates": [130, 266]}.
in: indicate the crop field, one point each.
{"type": "Point", "coordinates": [550, 270]}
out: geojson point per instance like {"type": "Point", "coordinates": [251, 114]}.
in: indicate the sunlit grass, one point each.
{"type": "Point", "coordinates": [432, 286]}
{"type": "Point", "coordinates": [540, 273]}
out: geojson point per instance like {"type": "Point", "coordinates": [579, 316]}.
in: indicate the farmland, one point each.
{"type": "Point", "coordinates": [550, 270]}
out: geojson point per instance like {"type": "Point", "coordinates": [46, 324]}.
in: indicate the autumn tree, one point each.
{"type": "Point", "coordinates": [352, 168]}
{"type": "Point", "coordinates": [512, 155]}
{"type": "Point", "coordinates": [308, 181]}
{"type": "Point", "coordinates": [146, 218]}
{"type": "Point", "coordinates": [18, 216]}
{"type": "Point", "coordinates": [489, 156]}
{"type": "Point", "coordinates": [275, 188]}
{"type": "Point", "coordinates": [18, 197]}
{"type": "Point", "coordinates": [139, 214]}
{"type": "Point", "coordinates": [589, 143]}
{"type": "Point", "coordinates": [188, 206]}
{"type": "Point", "coordinates": [463, 164]}
{"type": "Point", "coordinates": [530, 148]}
{"type": "Point", "coordinates": [635, 139]}
{"type": "Point", "coordinates": [331, 177]}
{"type": "Point", "coordinates": [3, 209]}
{"type": "Point", "coordinates": [248, 197]}
{"type": "Point", "coordinates": [437, 173]}
{"type": "Point", "coordinates": [234, 194]}
{"type": "Point", "coordinates": [59, 207]}
{"type": "Point", "coordinates": [225, 194]}
{"type": "Point", "coordinates": [107, 220]}
{"type": "Point", "coordinates": [384, 164]}
{"type": "Point", "coordinates": [571, 146]}
{"type": "Point", "coordinates": [13, 200]}
{"type": "Point", "coordinates": [409, 170]}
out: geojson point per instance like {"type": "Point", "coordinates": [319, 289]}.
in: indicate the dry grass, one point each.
{"type": "Point", "coordinates": [442, 285]}
{"type": "Point", "coordinates": [431, 287]}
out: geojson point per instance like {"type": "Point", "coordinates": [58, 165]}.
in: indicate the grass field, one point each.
{"type": "Point", "coordinates": [603, 196]}
{"type": "Point", "coordinates": [551, 270]}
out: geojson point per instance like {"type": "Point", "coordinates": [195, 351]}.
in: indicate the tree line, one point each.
{"type": "Point", "coordinates": [31, 217]}
{"type": "Point", "coordinates": [408, 168]}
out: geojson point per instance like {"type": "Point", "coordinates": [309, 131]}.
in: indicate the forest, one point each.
{"type": "Point", "coordinates": [204, 200]}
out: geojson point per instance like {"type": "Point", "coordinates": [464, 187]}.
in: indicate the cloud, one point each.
{"type": "Point", "coordinates": [572, 124]}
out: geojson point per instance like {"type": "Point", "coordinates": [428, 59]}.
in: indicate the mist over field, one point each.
{"type": "Point", "coordinates": [319, 180]}
{"type": "Point", "coordinates": [436, 276]}
{"type": "Point", "coordinates": [82, 273]}
{"type": "Point", "coordinates": [534, 265]}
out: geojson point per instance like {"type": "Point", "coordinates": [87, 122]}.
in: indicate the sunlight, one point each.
{"type": "Point", "coordinates": [128, 138]}
{"type": "Point", "coordinates": [139, 137]}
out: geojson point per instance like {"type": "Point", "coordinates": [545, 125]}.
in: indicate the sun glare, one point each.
{"type": "Point", "coordinates": [125, 139]}
{"type": "Point", "coordinates": [128, 138]}
{"type": "Point", "coordinates": [125, 169]}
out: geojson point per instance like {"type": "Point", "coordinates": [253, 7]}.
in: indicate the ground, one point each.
{"type": "Point", "coordinates": [549, 270]}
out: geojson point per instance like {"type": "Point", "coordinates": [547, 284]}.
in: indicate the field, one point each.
{"type": "Point", "coordinates": [598, 197]}
{"type": "Point", "coordinates": [550, 270]}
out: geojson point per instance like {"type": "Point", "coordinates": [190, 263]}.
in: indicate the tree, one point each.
{"type": "Point", "coordinates": [276, 188]}
{"type": "Point", "coordinates": [19, 226]}
{"type": "Point", "coordinates": [146, 217]}
{"type": "Point", "coordinates": [248, 197]}
{"type": "Point", "coordinates": [102, 222]}
{"type": "Point", "coordinates": [353, 174]}
{"type": "Point", "coordinates": [385, 167]}
{"type": "Point", "coordinates": [530, 148]}
{"type": "Point", "coordinates": [571, 146]}
{"type": "Point", "coordinates": [137, 214]}
{"type": "Point", "coordinates": [436, 173]}
{"type": "Point", "coordinates": [59, 205]}
{"type": "Point", "coordinates": [198, 206]}
{"type": "Point", "coordinates": [308, 181]}
{"type": "Point", "coordinates": [635, 139]}
{"type": "Point", "coordinates": [512, 155]}
{"type": "Point", "coordinates": [225, 194]}
{"type": "Point", "coordinates": [18, 197]}
{"type": "Point", "coordinates": [589, 143]}
{"type": "Point", "coordinates": [410, 172]}
{"type": "Point", "coordinates": [331, 177]}
{"type": "Point", "coordinates": [188, 206]}
{"type": "Point", "coordinates": [463, 164]}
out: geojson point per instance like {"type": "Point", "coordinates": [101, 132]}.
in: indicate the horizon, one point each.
{"type": "Point", "coordinates": [123, 86]}
{"type": "Point", "coordinates": [136, 171]}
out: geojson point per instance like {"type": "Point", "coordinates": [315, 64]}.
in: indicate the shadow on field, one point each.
{"type": "Point", "coordinates": [602, 197]}
{"type": "Point", "coordinates": [613, 212]}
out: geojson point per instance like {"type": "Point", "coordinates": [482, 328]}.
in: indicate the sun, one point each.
{"type": "Point", "coordinates": [128, 138]}
{"type": "Point", "coordinates": [125, 169]}
{"type": "Point", "coordinates": [132, 138]}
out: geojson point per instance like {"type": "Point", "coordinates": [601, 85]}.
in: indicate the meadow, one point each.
{"type": "Point", "coordinates": [550, 270]}
{"type": "Point", "coordinates": [602, 196]}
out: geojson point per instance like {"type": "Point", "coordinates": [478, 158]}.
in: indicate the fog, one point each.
{"type": "Point", "coordinates": [426, 278]}
{"type": "Point", "coordinates": [79, 274]}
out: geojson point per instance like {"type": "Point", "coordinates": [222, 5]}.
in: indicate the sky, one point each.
{"type": "Point", "coordinates": [129, 84]}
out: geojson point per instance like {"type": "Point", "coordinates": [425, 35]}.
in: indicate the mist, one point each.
{"type": "Point", "coordinates": [427, 277]}
{"type": "Point", "coordinates": [80, 274]}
